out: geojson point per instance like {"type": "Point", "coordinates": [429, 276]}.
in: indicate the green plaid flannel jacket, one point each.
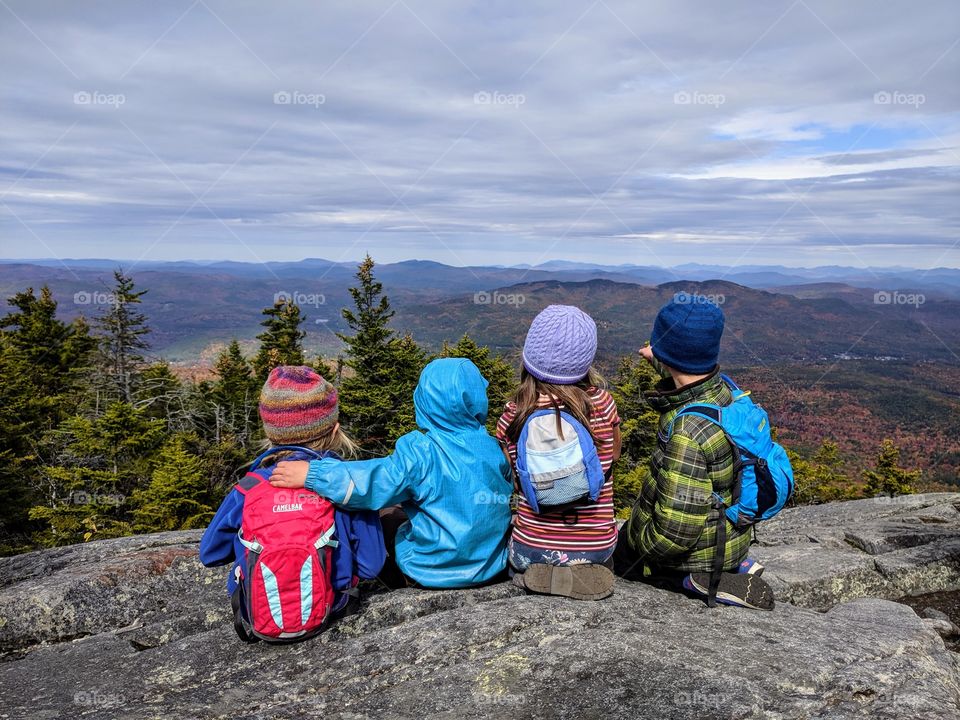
{"type": "Point", "coordinates": [672, 526]}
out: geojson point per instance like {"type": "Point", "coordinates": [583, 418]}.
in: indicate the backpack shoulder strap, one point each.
{"type": "Point", "coordinates": [280, 448]}
{"type": "Point", "coordinates": [729, 381]}
{"type": "Point", "coordinates": [248, 482]}
{"type": "Point", "coordinates": [712, 413]}
{"type": "Point", "coordinates": [719, 549]}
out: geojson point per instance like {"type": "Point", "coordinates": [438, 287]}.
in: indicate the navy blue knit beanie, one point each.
{"type": "Point", "coordinates": [686, 334]}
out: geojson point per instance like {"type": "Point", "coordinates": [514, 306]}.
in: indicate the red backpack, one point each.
{"type": "Point", "coordinates": [284, 591]}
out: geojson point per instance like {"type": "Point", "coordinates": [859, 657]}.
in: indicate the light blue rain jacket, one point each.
{"type": "Point", "coordinates": [450, 476]}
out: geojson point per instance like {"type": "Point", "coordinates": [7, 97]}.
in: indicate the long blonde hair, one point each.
{"type": "Point", "coordinates": [336, 440]}
{"type": "Point", "coordinates": [575, 400]}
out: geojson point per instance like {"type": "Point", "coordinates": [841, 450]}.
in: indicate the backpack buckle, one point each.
{"type": "Point", "coordinates": [327, 539]}
{"type": "Point", "coordinates": [252, 546]}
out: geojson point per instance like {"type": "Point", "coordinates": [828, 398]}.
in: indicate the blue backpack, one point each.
{"type": "Point", "coordinates": [764, 477]}
{"type": "Point", "coordinates": [557, 461]}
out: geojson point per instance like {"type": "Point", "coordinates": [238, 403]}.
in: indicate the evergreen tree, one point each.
{"type": "Point", "coordinates": [161, 393]}
{"type": "Point", "coordinates": [123, 330]}
{"type": "Point", "coordinates": [887, 477]}
{"type": "Point", "coordinates": [367, 400]}
{"type": "Point", "coordinates": [19, 421]}
{"type": "Point", "coordinates": [177, 497]}
{"type": "Point", "coordinates": [498, 372]}
{"type": "Point", "coordinates": [407, 362]}
{"type": "Point", "coordinates": [370, 322]}
{"type": "Point", "coordinates": [627, 487]}
{"type": "Point", "coordinates": [235, 396]}
{"type": "Point", "coordinates": [41, 362]}
{"type": "Point", "coordinates": [282, 341]}
{"type": "Point", "coordinates": [48, 350]}
{"type": "Point", "coordinates": [327, 372]}
{"type": "Point", "coordinates": [821, 479]}
{"type": "Point", "coordinates": [94, 466]}
{"type": "Point", "coordinates": [638, 430]}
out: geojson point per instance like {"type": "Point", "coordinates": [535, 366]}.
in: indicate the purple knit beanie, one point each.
{"type": "Point", "coordinates": [560, 345]}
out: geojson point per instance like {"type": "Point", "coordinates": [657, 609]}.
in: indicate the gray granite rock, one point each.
{"type": "Point", "coordinates": [136, 628]}
{"type": "Point", "coordinates": [821, 555]}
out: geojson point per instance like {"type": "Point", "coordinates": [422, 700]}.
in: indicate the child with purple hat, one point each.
{"type": "Point", "coordinates": [567, 550]}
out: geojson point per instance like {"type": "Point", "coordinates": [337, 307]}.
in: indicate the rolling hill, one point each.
{"type": "Point", "coordinates": [194, 307]}
{"type": "Point", "coordinates": [820, 352]}
{"type": "Point", "coordinates": [762, 327]}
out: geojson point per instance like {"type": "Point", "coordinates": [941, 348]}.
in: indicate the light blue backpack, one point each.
{"type": "Point", "coordinates": [765, 477]}
{"type": "Point", "coordinates": [557, 461]}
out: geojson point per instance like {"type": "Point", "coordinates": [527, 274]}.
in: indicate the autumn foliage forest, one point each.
{"type": "Point", "coordinates": [98, 438]}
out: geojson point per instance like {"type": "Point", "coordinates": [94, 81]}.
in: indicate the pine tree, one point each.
{"type": "Point", "coordinates": [48, 349]}
{"type": "Point", "coordinates": [235, 395]}
{"type": "Point", "coordinates": [41, 362]}
{"type": "Point", "coordinates": [177, 497]}
{"type": "Point", "coordinates": [19, 422]}
{"type": "Point", "coordinates": [369, 322]}
{"type": "Point", "coordinates": [162, 394]}
{"type": "Point", "coordinates": [95, 464]}
{"type": "Point", "coordinates": [498, 372]}
{"type": "Point", "coordinates": [367, 400]}
{"type": "Point", "coordinates": [822, 478]}
{"type": "Point", "coordinates": [407, 362]}
{"type": "Point", "coordinates": [327, 372]}
{"type": "Point", "coordinates": [282, 341]}
{"type": "Point", "coordinates": [638, 430]}
{"type": "Point", "coordinates": [887, 477]}
{"type": "Point", "coordinates": [123, 329]}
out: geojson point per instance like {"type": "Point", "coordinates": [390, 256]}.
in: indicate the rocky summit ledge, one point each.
{"type": "Point", "coordinates": [137, 628]}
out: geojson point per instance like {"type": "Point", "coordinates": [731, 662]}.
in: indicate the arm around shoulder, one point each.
{"type": "Point", "coordinates": [371, 484]}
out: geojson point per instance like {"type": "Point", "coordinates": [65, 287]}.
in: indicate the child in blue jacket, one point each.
{"type": "Point", "coordinates": [450, 477]}
{"type": "Point", "coordinates": [299, 411]}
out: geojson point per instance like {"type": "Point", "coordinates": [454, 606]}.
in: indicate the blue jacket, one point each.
{"type": "Point", "coordinates": [360, 551]}
{"type": "Point", "coordinates": [450, 476]}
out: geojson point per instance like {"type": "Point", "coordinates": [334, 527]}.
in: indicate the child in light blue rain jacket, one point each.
{"type": "Point", "coordinates": [451, 478]}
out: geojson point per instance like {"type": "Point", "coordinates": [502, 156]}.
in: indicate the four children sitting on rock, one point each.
{"type": "Point", "coordinates": [444, 493]}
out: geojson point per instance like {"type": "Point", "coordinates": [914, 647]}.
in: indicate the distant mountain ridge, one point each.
{"type": "Point", "coordinates": [763, 327]}
{"type": "Point", "coordinates": [774, 317]}
{"type": "Point", "coordinates": [941, 279]}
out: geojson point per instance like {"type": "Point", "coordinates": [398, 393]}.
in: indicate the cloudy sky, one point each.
{"type": "Point", "coordinates": [799, 133]}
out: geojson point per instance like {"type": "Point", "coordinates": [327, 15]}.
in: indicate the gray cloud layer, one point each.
{"type": "Point", "coordinates": [799, 133]}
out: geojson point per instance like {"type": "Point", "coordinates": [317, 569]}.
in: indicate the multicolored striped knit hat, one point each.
{"type": "Point", "coordinates": [297, 405]}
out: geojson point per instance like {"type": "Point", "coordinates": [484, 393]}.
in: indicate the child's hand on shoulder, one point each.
{"type": "Point", "coordinates": [290, 474]}
{"type": "Point", "coordinates": [646, 352]}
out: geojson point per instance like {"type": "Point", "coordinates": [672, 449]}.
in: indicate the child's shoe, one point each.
{"type": "Point", "coordinates": [740, 589]}
{"type": "Point", "coordinates": [347, 604]}
{"type": "Point", "coordinates": [580, 582]}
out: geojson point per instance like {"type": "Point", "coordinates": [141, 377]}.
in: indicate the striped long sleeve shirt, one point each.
{"type": "Point", "coordinates": [586, 527]}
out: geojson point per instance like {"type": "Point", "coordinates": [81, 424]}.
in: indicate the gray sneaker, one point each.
{"type": "Point", "coordinates": [741, 589]}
